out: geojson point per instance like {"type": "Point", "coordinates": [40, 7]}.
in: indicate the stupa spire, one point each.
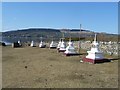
{"type": "Point", "coordinates": [95, 43]}
{"type": "Point", "coordinates": [95, 38]}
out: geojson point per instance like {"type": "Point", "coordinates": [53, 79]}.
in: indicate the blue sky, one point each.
{"type": "Point", "coordinates": [95, 16]}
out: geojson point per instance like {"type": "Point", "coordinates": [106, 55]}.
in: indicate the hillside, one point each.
{"type": "Point", "coordinates": [43, 32]}
{"type": "Point", "coordinates": [55, 34]}
{"type": "Point", "coordinates": [32, 32]}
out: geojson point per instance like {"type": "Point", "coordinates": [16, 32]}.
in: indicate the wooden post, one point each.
{"type": "Point", "coordinates": [70, 36]}
{"type": "Point", "coordinates": [80, 45]}
{"type": "Point", "coordinates": [79, 40]}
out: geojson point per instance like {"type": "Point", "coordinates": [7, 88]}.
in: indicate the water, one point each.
{"type": "Point", "coordinates": [5, 41]}
{"type": "Point", "coordinates": [10, 40]}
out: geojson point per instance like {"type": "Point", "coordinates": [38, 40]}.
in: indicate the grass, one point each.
{"type": "Point", "coordinates": [46, 68]}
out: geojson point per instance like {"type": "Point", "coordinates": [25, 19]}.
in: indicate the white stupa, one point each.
{"type": "Point", "coordinates": [62, 46]}
{"type": "Point", "coordinates": [42, 44]}
{"type": "Point", "coordinates": [58, 46]}
{"type": "Point", "coordinates": [94, 55]}
{"type": "Point", "coordinates": [32, 44]}
{"type": "Point", "coordinates": [53, 45]}
{"type": "Point", "coordinates": [70, 50]}
{"type": "Point", "coordinates": [19, 43]}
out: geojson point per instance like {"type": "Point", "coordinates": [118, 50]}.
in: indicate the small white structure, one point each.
{"type": "Point", "coordinates": [70, 50]}
{"type": "Point", "coordinates": [58, 46]}
{"type": "Point", "coordinates": [62, 46]}
{"type": "Point", "coordinates": [19, 43]}
{"type": "Point", "coordinates": [53, 45]}
{"type": "Point", "coordinates": [32, 44]}
{"type": "Point", "coordinates": [94, 55]}
{"type": "Point", "coordinates": [42, 44]}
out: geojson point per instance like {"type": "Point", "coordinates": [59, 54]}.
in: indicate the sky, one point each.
{"type": "Point", "coordinates": [94, 16]}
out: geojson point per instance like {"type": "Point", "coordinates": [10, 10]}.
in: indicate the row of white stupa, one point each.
{"type": "Point", "coordinates": [94, 55]}
{"type": "Point", "coordinates": [61, 47]}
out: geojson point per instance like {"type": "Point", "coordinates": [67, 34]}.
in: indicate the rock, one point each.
{"type": "Point", "coordinates": [90, 75]}
{"type": "Point", "coordinates": [25, 66]}
{"type": "Point", "coordinates": [51, 65]}
{"type": "Point", "coordinates": [45, 79]}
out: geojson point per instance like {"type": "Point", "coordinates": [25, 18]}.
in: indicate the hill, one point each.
{"type": "Point", "coordinates": [32, 32]}
{"type": "Point", "coordinates": [48, 34]}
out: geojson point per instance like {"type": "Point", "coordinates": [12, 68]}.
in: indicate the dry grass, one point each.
{"type": "Point", "coordinates": [48, 69]}
{"type": "Point", "coordinates": [0, 67]}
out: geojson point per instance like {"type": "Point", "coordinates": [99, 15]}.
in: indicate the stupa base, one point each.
{"type": "Point", "coordinates": [71, 54]}
{"type": "Point", "coordinates": [32, 46]}
{"type": "Point", "coordinates": [61, 50]}
{"type": "Point", "coordinates": [52, 47]}
{"type": "Point", "coordinates": [43, 46]}
{"type": "Point", "coordinates": [95, 60]}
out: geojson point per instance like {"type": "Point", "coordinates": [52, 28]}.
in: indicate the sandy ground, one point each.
{"type": "Point", "coordinates": [45, 68]}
